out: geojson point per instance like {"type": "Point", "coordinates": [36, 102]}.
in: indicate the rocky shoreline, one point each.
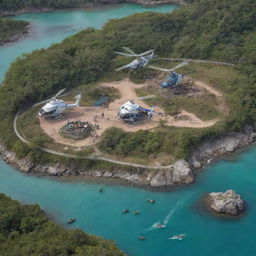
{"type": "Point", "coordinates": [181, 172]}
{"type": "Point", "coordinates": [91, 5]}
{"type": "Point", "coordinates": [18, 36]}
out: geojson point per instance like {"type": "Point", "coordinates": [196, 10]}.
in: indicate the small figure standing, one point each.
{"type": "Point", "coordinates": [102, 114]}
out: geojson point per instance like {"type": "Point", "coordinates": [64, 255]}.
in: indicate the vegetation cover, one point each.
{"type": "Point", "coordinates": [25, 230]}
{"type": "Point", "coordinates": [11, 30]}
{"type": "Point", "coordinates": [221, 30]}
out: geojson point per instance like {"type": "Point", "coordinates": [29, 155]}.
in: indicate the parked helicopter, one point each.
{"type": "Point", "coordinates": [55, 107]}
{"type": "Point", "coordinates": [132, 111]}
{"type": "Point", "coordinates": [173, 79]}
{"type": "Point", "coordinates": [141, 61]}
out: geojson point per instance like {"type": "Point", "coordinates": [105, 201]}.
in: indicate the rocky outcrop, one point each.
{"type": "Point", "coordinates": [210, 150]}
{"type": "Point", "coordinates": [178, 173]}
{"type": "Point", "coordinates": [228, 203]}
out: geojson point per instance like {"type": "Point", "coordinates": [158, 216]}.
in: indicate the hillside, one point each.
{"type": "Point", "coordinates": [11, 30]}
{"type": "Point", "coordinates": [25, 230]}
{"type": "Point", "coordinates": [221, 30]}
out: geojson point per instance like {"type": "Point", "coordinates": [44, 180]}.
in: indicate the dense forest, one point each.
{"type": "Point", "coordinates": [218, 30]}
{"type": "Point", "coordinates": [10, 30]}
{"type": "Point", "coordinates": [25, 230]}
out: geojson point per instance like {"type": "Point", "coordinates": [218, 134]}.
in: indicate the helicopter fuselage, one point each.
{"type": "Point", "coordinates": [131, 112]}
{"type": "Point", "coordinates": [142, 62]}
{"type": "Point", "coordinates": [53, 108]}
{"type": "Point", "coordinates": [172, 80]}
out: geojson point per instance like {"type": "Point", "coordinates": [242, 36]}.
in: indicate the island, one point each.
{"type": "Point", "coordinates": [26, 230]}
{"type": "Point", "coordinates": [211, 114]}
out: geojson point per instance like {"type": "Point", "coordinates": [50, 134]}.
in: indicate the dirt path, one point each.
{"type": "Point", "coordinates": [208, 88]}
{"type": "Point", "coordinates": [199, 61]}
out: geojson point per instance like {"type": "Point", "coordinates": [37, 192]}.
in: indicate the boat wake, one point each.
{"type": "Point", "coordinates": [175, 208]}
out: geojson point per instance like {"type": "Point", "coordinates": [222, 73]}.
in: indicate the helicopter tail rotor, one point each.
{"type": "Point", "coordinates": [78, 99]}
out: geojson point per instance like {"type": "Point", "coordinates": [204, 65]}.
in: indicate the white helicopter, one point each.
{"type": "Point", "coordinates": [55, 107]}
{"type": "Point", "coordinates": [132, 111]}
{"type": "Point", "coordinates": [173, 79]}
{"type": "Point", "coordinates": [141, 61]}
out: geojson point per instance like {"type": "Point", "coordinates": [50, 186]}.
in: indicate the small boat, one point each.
{"type": "Point", "coordinates": [70, 221]}
{"type": "Point", "coordinates": [137, 212]}
{"type": "Point", "coordinates": [177, 237]}
{"type": "Point", "coordinates": [142, 238]}
{"type": "Point", "coordinates": [152, 201]}
{"type": "Point", "coordinates": [158, 225]}
{"type": "Point", "coordinates": [125, 211]}
{"type": "Point", "coordinates": [100, 189]}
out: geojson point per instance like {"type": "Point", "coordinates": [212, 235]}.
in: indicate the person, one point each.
{"type": "Point", "coordinates": [102, 114]}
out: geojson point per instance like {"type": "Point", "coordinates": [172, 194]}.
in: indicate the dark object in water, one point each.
{"type": "Point", "coordinates": [100, 189]}
{"type": "Point", "coordinates": [152, 201]}
{"type": "Point", "coordinates": [70, 221]}
{"type": "Point", "coordinates": [126, 211]}
{"type": "Point", "coordinates": [137, 212]}
{"type": "Point", "coordinates": [142, 238]}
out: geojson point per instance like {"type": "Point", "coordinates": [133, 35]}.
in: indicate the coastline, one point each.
{"type": "Point", "coordinates": [93, 5]}
{"type": "Point", "coordinates": [182, 171]}
{"type": "Point", "coordinates": [19, 36]}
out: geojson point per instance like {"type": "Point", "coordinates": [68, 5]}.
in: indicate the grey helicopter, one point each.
{"type": "Point", "coordinates": [132, 112]}
{"type": "Point", "coordinates": [54, 107]}
{"type": "Point", "coordinates": [173, 79]}
{"type": "Point", "coordinates": [141, 59]}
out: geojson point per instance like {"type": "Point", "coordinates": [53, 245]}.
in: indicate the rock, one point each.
{"type": "Point", "coordinates": [179, 173]}
{"type": "Point", "coordinates": [226, 203]}
{"type": "Point", "coordinates": [196, 164]}
{"type": "Point", "coordinates": [224, 144]}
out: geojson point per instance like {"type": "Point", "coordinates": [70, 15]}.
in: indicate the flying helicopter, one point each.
{"type": "Point", "coordinates": [132, 111]}
{"type": "Point", "coordinates": [173, 79]}
{"type": "Point", "coordinates": [141, 59]}
{"type": "Point", "coordinates": [55, 107]}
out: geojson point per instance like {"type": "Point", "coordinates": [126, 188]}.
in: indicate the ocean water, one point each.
{"type": "Point", "coordinates": [101, 213]}
{"type": "Point", "coordinates": [52, 27]}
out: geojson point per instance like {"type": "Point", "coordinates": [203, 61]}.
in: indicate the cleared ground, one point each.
{"type": "Point", "coordinates": [110, 119]}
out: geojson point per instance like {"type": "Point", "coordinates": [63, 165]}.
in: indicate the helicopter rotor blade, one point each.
{"type": "Point", "coordinates": [147, 97]}
{"type": "Point", "coordinates": [157, 68]}
{"type": "Point", "coordinates": [129, 50]}
{"type": "Point", "coordinates": [59, 93]}
{"type": "Point", "coordinates": [180, 65]}
{"type": "Point", "coordinates": [147, 52]}
{"type": "Point", "coordinates": [127, 54]}
{"type": "Point", "coordinates": [123, 67]}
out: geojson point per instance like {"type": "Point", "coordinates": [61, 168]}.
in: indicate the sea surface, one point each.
{"type": "Point", "coordinates": [101, 213]}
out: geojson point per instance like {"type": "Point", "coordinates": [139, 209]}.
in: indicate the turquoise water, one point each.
{"type": "Point", "coordinates": [53, 27]}
{"type": "Point", "coordinates": [100, 213]}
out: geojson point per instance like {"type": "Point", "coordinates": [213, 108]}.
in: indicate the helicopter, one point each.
{"type": "Point", "coordinates": [55, 107]}
{"type": "Point", "coordinates": [132, 111]}
{"type": "Point", "coordinates": [141, 61]}
{"type": "Point", "coordinates": [173, 79]}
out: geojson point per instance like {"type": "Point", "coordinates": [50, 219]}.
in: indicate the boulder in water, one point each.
{"type": "Point", "coordinates": [228, 203]}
